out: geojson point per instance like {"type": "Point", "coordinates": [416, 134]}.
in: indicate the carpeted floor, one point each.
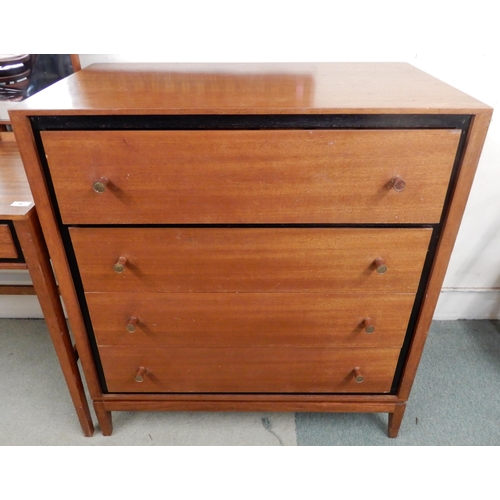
{"type": "Point", "coordinates": [455, 401]}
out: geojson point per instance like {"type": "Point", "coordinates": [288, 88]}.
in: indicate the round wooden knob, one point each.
{"type": "Point", "coordinates": [141, 371]}
{"type": "Point", "coordinates": [119, 266]}
{"type": "Point", "coordinates": [368, 325]}
{"type": "Point", "coordinates": [131, 323]}
{"type": "Point", "coordinates": [358, 378]}
{"type": "Point", "coordinates": [100, 185]}
{"type": "Point", "coordinates": [381, 266]}
{"type": "Point", "coordinates": [398, 184]}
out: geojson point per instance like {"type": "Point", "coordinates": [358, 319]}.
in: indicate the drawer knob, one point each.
{"type": "Point", "coordinates": [398, 184]}
{"type": "Point", "coordinates": [141, 371]}
{"type": "Point", "coordinates": [358, 378]}
{"type": "Point", "coordinates": [100, 185]}
{"type": "Point", "coordinates": [119, 266]}
{"type": "Point", "coordinates": [368, 325]}
{"type": "Point", "coordinates": [381, 266]}
{"type": "Point", "coordinates": [131, 323]}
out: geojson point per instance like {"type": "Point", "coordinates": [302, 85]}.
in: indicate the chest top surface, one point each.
{"type": "Point", "coordinates": [263, 88]}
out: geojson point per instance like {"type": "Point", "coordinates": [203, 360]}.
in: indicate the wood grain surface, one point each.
{"type": "Point", "coordinates": [7, 248]}
{"type": "Point", "coordinates": [281, 370]}
{"type": "Point", "coordinates": [264, 260]}
{"type": "Point", "coordinates": [251, 176]}
{"type": "Point", "coordinates": [249, 319]}
{"type": "Point", "coordinates": [14, 185]}
{"type": "Point", "coordinates": [290, 88]}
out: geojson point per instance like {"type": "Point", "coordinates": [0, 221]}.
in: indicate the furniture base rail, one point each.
{"type": "Point", "coordinates": [246, 403]}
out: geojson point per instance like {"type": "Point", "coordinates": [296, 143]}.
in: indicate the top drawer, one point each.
{"type": "Point", "coordinates": [251, 176]}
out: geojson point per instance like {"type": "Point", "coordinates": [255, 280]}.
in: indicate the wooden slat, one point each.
{"type": "Point", "coordinates": [214, 398]}
{"type": "Point", "coordinates": [248, 176]}
{"type": "Point", "coordinates": [13, 265]}
{"type": "Point", "coordinates": [250, 398]}
{"type": "Point", "coordinates": [17, 290]}
{"type": "Point", "coordinates": [236, 403]}
{"type": "Point", "coordinates": [264, 260]}
{"type": "Point", "coordinates": [360, 403]}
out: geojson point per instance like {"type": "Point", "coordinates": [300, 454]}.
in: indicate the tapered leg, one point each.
{"type": "Point", "coordinates": [104, 418]}
{"type": "Point", "coordinates": [395, 420]}
{"type": "Point", "coordinates": [37, 259]}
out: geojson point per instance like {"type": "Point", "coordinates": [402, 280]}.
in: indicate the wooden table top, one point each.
{"type": "Point", "coordinates": [14, 187]}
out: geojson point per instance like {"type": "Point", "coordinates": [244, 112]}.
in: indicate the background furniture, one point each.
{"type": "Point", "coordinates": [15, 72]}
{"type": "Point", "coordinates": [22, 246]}
{"type": "Point", "coordinates": [251, 237]}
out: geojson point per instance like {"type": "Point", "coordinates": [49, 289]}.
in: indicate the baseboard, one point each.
{"type": "Point", "coordinates": [468, 303]}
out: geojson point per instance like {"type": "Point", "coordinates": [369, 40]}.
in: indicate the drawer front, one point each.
{"type": "Point", "coordinates": [259, 370]}
{"type": "Point", "coordinates": [249, 319]}
{"type": "Point", "coordinates": [264, 260]}
{"type": "Point", "coordinates": [7, 247]}
{"type": "Point", "coordinates": [251, 176]}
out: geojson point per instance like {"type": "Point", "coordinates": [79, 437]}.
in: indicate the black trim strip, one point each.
{"type": "Point", "coordinates": [415, 312]}
{"type": "Point", "coordinates": [429, 262]}
{"type": "Point", "coordinates": [305, 394]}
{"type": "Point", "coordinates": [247, 122]}
{"type": "Point", "coordinates": [255, 226]}
{"type": "Point", "coordinates": [77, 280]}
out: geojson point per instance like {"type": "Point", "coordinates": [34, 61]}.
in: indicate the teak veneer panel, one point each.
{"type": "Point", "coordinates": [264, 88]}
{"type": "Point", "coordinates": [251, 176]}
{"type": "Point", "coordinates": [282, 370]}
{"type": "Point", "coordinates": [250, 319]}
{"type": "Point", "coordinates": [266, 260]}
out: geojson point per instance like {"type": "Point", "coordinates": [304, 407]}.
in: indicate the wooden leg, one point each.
{"type": "Point", "coordinates": [104, 418]}
{"type": "Point", "coordinates": [395, 420]}
{"type": "Point", "coordinates": [37, 259]}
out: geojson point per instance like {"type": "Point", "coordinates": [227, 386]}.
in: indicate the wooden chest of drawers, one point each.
{"type": "Point", "coordinates": [250, 237]}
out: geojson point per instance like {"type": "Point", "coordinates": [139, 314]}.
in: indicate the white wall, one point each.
{"type": "Point", "coordinates": [456, 41]}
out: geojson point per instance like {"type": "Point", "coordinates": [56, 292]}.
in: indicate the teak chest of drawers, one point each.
{"type": "Point", "coordinates": [250, 237]}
